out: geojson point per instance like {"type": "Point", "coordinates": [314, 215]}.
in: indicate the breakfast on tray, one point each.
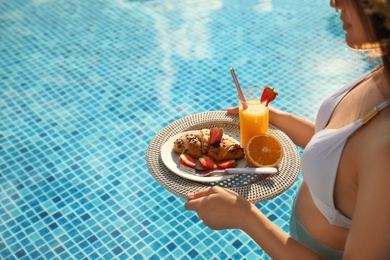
{"type": "Point", "coordinates": [215, 150]}
{"type": "Point", "coordinates": [211, 147]}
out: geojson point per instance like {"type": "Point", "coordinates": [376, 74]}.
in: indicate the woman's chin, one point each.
{"type": "Point", "coordinates": [354, 45]}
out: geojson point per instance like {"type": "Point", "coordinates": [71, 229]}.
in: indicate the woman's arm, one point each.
{"type": "Point", "coordinates": [300, 130]}
{"type": "Point", "coordinates": [221, 208]}
{"type": "Point", "coordinates": [369, 236]}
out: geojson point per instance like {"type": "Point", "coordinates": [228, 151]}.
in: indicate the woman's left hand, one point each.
{"type": "Point", "coordinates": [232, 110]}
{"type": "Point", "coordinates": [219, 208]}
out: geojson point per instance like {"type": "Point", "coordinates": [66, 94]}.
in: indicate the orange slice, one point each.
{"type": "Point", "coordinates": [264, 150]}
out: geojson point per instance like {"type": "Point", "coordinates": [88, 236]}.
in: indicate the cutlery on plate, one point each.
{"type": "Point", "coordinates": [229, 171]}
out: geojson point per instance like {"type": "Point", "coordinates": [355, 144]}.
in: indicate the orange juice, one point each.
{"type": "Point", "coordinates": [253, 120]}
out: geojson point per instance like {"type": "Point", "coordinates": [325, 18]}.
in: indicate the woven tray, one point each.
{"type": "Point", "coordinates": [255, 188]}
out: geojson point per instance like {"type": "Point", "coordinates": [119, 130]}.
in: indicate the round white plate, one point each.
{"type": "Point", "coordinates": [171, 160]}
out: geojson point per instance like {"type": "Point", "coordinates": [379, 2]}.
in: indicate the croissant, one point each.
{"type": "Point", "coordinates": [188, 143]}
{"type": "Point", "coordinates": [226, 149]}
{"type": "Point", "coordinates": [199, 143]}
{"type": "Point", "coordinates": [204, 137]}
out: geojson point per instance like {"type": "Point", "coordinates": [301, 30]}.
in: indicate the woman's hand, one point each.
{"type": "Point", "coordinates": [232, 110]}
{"type": "Point", "coordinates": [219, 208]}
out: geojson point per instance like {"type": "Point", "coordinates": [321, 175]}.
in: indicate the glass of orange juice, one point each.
{"type": "Point", "coordinates": [253, 120]}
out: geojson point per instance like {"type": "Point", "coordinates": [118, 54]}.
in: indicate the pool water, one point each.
{"type": "Point", "coordinates": [85, 86]}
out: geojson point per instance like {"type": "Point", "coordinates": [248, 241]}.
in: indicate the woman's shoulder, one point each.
{"type": "Point", "coordinates": [376, 142]}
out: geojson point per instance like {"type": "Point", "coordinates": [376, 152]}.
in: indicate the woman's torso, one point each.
{"type": "Point", "coordinates": [352, 106]}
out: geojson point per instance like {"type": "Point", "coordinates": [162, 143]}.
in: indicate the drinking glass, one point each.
{"type": "Point", "coordinates": [253, 120]}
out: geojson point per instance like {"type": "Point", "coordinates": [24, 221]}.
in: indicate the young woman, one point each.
{"type": "Point", "coordinates": [342, 208]}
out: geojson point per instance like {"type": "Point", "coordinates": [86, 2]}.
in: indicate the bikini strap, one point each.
{"type": "Point", "coordinates": [373, 112]}
{"type": "Point", "coordinates": [383, 105]}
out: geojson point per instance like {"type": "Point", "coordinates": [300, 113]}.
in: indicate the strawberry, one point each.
{"type": "Point", "coordinates": [226, 164]}
{"type": "Point", "coordinates": [215, 135]}
{"type": "Point", "coordinates": [207, 162]}
{"type": "Point", "coordinates": [268, 95]}
{"type": "Point", "coordinates": [187, 160]}
{"type": "Point", "coordinates": [265, 94]}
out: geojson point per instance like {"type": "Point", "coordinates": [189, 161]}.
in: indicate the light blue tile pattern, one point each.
{"type": "Point", "coordinates": [85, 85]}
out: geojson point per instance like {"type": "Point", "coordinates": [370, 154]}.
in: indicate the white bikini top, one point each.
{"type": "Point", "coordinates": [321, 157]}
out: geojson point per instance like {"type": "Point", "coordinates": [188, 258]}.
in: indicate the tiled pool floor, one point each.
{"type": "Point", "coordinates": [84, 87]}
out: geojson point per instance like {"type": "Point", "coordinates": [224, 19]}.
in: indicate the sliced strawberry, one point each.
{"type": "Point", "coordinates": [268, 95]}
{"type": "Point", "coordinates": [207, 162]}
{"type": "Point", "coordinates": [271, 97]}
{"type": "Point", "coordinates": [265, 94]}
{"type": "Point", "coordinates": [187, 160]}
{"type": "Point", "coordinates": [215, 135]}
{"type": "Point", "coordinates": [226, 164]}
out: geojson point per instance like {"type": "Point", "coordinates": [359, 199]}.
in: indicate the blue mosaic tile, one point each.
{"type": "Point", "coordinates": [85, 86]}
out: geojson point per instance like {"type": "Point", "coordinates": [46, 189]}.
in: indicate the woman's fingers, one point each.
{"type": "Point", "coordinates": [198, 194]}
{"type": "Point", "coordinates": [232, 110]}
{"type": "Point", "coordinates": [219, 208]}
{"type": "Point", "coordinates": [194, 199]}
{"type": "Point", "coordinates": [191, 205]}
{"type": "Point", "coordinates": [193, 202]}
